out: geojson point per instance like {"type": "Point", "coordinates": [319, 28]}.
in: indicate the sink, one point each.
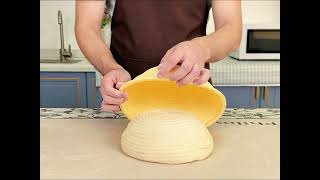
{"type": "Point", "coordinates": [57, 61]}
{"type": "Point", "coordinates": [52, 56]}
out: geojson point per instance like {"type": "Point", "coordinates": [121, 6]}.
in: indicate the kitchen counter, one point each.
{"type": "Point", "coordinates": [227, 72]}
{"type": "Point", "coordinates": [85, 144]}
{"type": "Point", "coordinates": [95, 113]}
{"type": "Point", "coordinates": [82, 66]}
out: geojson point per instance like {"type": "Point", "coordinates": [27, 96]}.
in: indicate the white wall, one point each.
{"type": "Point", "coordinates": [252, 10]}
{"type": "Point", "coordinates": [255, 11]}
{"type": "Point", "coordinates": [49, 27]}
{"type": "Point", "coordinates": [259, 10]}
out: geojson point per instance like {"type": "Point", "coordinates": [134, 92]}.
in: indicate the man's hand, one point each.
{"type": "Point", "coordinates": [110, 85]}
{"type": "Point", "coordinates": [210, 48]}
{"type": "Point", "coordinates": [192, 57]}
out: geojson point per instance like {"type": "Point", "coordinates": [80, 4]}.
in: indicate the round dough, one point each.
{"type": "Point", "coordinates": [167, 136]}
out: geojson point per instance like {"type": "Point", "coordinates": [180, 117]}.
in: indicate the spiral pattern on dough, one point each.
{"type": "Point", "coordinates": [167, 136]}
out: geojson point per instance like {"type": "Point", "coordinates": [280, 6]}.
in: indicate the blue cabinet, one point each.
{"type": "Point", "coordinates": [96, 99]}
{"type": "Point", "coordinates": [63, 90]}
{"type": "Point", "coordinates": [251, 97]}
{"type": "Point", "coordinates": [270, 97]}
{"type": "Point", "coordinates": [240, 97]}
{"type": "Point", "coordinates": [99, 98]}
{"type": "Point", "coordinates": [93, 93]}
{"type": "Point", "coordinates": [237, 97]}
{"type": "Point", "coordinates": [91, 90]}
{"type": "Point", "coordinates": [72, 90]}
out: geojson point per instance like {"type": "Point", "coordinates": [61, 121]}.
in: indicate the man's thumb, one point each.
{"type": "Point", "coordinates": [119, 84]}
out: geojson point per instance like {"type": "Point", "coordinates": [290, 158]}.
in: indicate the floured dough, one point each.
{"type": "Point", "coordinates": [167, 136]}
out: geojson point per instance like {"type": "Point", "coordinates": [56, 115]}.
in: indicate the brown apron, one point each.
{"type": "Point", "coordinates": [143, 30]}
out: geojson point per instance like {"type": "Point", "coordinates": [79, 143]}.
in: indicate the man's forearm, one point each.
{"type": "Point", "coordinates": [95, 49]}
{"type": "Point", "coordinates": [220, 43]}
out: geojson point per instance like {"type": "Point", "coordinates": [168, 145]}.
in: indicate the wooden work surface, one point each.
{"type": "Point", "coordinates": [90, 149]}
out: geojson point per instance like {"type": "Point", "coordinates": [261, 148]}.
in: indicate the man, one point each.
{"type": "Point", "coordinates": [149, 33]}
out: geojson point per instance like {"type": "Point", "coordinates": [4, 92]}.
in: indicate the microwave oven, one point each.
{"type": "Point", "coordinates": [260, 41]}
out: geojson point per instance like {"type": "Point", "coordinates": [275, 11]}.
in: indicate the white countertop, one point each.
{"type": "Point", "coordinates": [227, 72]}
{"type": "Point", "coordinates": [83, 66]}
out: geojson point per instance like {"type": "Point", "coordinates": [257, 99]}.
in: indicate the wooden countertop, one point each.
{"type": "Point", "coordinates": [90, 149]}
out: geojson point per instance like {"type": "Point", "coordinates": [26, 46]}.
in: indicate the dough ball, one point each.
{"type": "Point", "coordinates": [167, 136]}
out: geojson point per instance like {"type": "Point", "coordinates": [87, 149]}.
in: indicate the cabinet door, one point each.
{"type": "Point", "coordinates": [240, 96]}
{"type": "Point", "coordinates": [99, 98]}
{"type": "Point", "coordinates": [93, 93]}
{"type": "Point", "coordinates": [277, 97]}
{"type": "Point", "coordinates": [63, 90]}
{"type": "Point", "coordinates": [270, 97]}
{"type": "Point", "coordinates": [91, 90]}
{"type": "Point", "coordinates": [237, 97]}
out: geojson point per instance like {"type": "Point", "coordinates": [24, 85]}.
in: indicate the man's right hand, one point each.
{"type": "Point", "coordinates": [109, 89]}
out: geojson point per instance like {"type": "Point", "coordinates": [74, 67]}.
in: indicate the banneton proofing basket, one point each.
{"type": "Point", "coordinates": [147, 92]}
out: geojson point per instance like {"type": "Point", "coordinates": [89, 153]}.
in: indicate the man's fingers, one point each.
{"type": "Point", "coordinates": [204, 76]}
{"type": "Point", "coordinates": [181, 71]}
{"type": "Point", "coordinates": [195, 72]}
{"type": "Point", "coordinates": [108, 88]}
{"type": "Point", "coordinates": [119, 84]}
{"type": "Point", "coordinates": [112, 100]}
{"type": "Point", "coordinates": [111, 91]}
{"type": "Point", "coordinates": [110, 108]}
{"type": "Point", "coordinates": [168, 62]}
{"type": "Point", "coordinates": [125, 94]}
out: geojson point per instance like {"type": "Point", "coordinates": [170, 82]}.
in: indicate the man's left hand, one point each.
{"type": "Point", "coordinates": [190, 57]}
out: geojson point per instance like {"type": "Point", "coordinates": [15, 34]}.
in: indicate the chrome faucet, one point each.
{"type": "Point", "coordinates": [64, 54]}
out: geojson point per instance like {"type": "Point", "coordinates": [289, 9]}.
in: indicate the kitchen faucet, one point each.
{"type": "Point", "coordinates": [64, 54]}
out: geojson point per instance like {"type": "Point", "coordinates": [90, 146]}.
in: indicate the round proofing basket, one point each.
{"type": "Point", "coordinates": [146, 92]}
